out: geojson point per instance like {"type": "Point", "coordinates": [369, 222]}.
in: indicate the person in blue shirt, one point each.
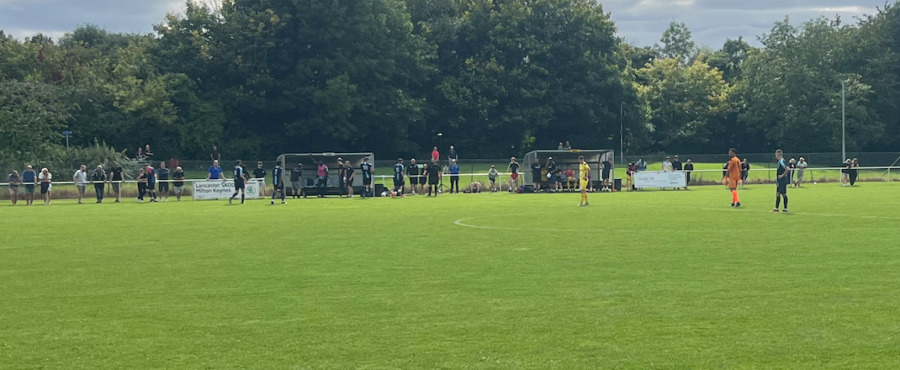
{"type": "Point", "coordinates": [366, 170]}
{"type": "Point", "coordinates": [278, 183]}
{"type": "Point", "coordinates": [215, 172]}
{"type": "Point", "coordinates": [29, 179]}
{"type": "Point", "coordinates": [239, 178]}
{"type": "Point", "coordinates": [783, 179]}
{"type": "Point", "coordinates": [454, 176]}
{"type": "Point", "coordinates": [399, 171]}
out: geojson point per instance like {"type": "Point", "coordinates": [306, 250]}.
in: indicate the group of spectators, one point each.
{"type": "Point", "coordinates": [148, 178]}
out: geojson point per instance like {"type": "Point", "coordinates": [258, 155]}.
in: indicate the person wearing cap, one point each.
{"type": "Point", "coordinates": [676, 165]}
{"type": "Point", "coordinates": [536, 168]}
{"type": "Point", "coordinates": [80, 180]}
{"type": "Point", "coordinates": [492, 176]}
{"type": "Point", "coordinates": [260, 175]}
{"type": "Point", "coordinates": [366, 169]}
{"type": "Point", "coordinates": [454, 176]}
{"type": "Point", "coordinates": [552, 174]}
{"type": "Point", "coordinates": [513, 171]}
{"type": "Point", "coordinates": [98, 178]}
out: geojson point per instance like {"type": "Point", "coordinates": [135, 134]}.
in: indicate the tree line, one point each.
{"type": "Point", "coordinates": [495, 77]}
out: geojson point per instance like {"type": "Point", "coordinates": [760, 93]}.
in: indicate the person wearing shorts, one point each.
{"type": "Point", "coordinates": [151, 183]}
{"type": "Point", "coordinates": [412, 173]}
{"type": "Point", "coordinates": [784, 178]}
{"type": "Point", "coordinates": [178, 184]}
{"type": "Point", "coordinates": [29, 179]}
{"type": "Point", "coordinates": [46, 180]}
{"type": "Point", "coordinates": [297, 180]}
{"type": "Point", "coordinates": [115, 179]}
{"type": "Point", "coordinates": [513, 171]}
{"type": "Point", "coordinates": [80, 180]}
{"type": "Point", "coordinates": [605, 174]}
{"type": "Point", "coordinates": [434, 176]}
{"type": "Point", "coordinates": [801, 170]}
{"type": "Point", "coordinates": [14, 181]}
{"type": "Point", "coordinates": [366, 169]}
{"type": "Point", "coordinates": [239, 178]}
{"type": "Point", "coordinates": [278, 183]}
{"type": "Point", "coordinates": [536, 180]}
{"type": "Point", "coordinates": [163, 176]}
{"type": "Point", "coordinates": [492, 176]}
{"type": "Point", "coordinates": [584, 171]}
{"type": "Point", "coordinates": [348, 178]}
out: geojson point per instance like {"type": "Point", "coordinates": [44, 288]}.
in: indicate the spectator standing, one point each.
{"type": "Point", "coordinates": [340, 172]}
{"type": "Point", "coordinates": [29, 180]}
{"type": "Point", "coordinates": [142, 185]}
{"type": "Point", "coordinates": [745, 171]}
{"type": "Point", "coordinates": [688, 168]}
{"type": "Point", "coordinates": [348, 178]}
{"type": "Point", "coordinates": [412, 172]}
{"type": "Point", "coordinates": [148, 154]}
{"type": "Point", "coordinates": [567, 146]}
{"type": "Point", "coordinates": [98, 178]}
{"type": "Point", "coordinates": [667, 165]}
{"type": "Point", "coordinates": [435, 155]}
{"type": "Point", "coordinates": [214, 154]}
{"type": "Point", "coordinates": [178, 184]}
{"type": "Point", "coordinates": [629, 176]}
{"type": "Point", "coordinates": [152, 180]}
{"type": "Point", "coordinates": [115, 178]}
{"type": "Point", "coordinates": [492, 176]}
{"type": "Point", "coordinates": [854, 171]}
{"type": "Point", "coordinates": [140, 154]}
{"type": "Point", "coordinates": [845, 173]}
{"type": "Point", "coordinates": [607, 171]}
{"type": "Point", "coordinates": [560, 146]}
{"type": "Point", "coordinates": [80, 180]}
{"type": "Point", "coordinates": [14, 180]}
{"type": "Point", "coordinates": [322, 179]}
{"type": "Point", "coordinates": [297, 180]}
{"type": "Point", "coordinates": [46, 180]}
{"type": "Point", "coordinates": [553, 174]}
{"type": "Point", "coordinates": [792, 165]}
{"type": "Point", "coordinates": [260, 175]}
{"type": "Point", "coordinates": [453, 156]}
{"type": "Point", "coordinates": [676, 165]}
{"type": "Point", "coordinates": [801, 170]}
{"type": "Point", "coordinates": [641, 165]}
{"type": "Point", "coordinates": [513, 171]}
{"type": "Point", "coordinates": [163, 176]}
{"type": "Point", "coordinates": [215, 172]}
{"type": "Point", "coordinates": [536, 174]}
{"type": "Point", "coordinates": [454, 176]}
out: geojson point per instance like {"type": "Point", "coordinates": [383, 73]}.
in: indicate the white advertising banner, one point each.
{"type": "Point", "coordinates": [218, 189]}
{"type": "Point", "coordinates": [659, 179]}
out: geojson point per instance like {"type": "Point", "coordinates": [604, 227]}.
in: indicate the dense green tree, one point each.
{"type": "Point", "coordinates": [677, 43]}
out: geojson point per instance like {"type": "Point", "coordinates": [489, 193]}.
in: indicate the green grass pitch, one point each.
{"type": "Point", "coordinates": [655, 279]}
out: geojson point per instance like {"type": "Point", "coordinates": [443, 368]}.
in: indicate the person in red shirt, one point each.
{"type": "Point", "coordinates": [734, 177]}
{"type": "Point", "coordinates": [435, 155]}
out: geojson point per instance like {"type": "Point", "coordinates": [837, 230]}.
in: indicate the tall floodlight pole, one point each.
{"type": "Point", "coordinates": [622, 132]}
{"type": "Point", "coordinates": [843, 121]}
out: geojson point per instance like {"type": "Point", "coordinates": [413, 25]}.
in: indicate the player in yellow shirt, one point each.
{"type": "Point", "coordinates": [584, 174]}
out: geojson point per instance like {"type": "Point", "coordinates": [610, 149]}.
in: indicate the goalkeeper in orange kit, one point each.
{"type": "Point", "coordinates": [734, 177]}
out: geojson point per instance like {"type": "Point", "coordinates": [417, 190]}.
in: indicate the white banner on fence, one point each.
{"type": "Point", "coordinates": [218, 189]}
{"type": "Point", "coordinates": [659, 179]}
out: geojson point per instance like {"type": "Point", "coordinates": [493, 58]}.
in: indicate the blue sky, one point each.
{"type": "Point", "coordinates": [639, 21]}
